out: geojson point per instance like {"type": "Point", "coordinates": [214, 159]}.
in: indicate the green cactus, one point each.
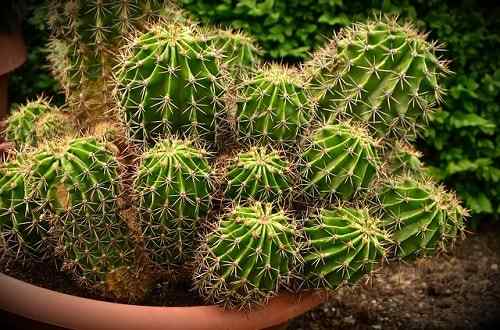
{"type": "Point", "coordinates": [22, 226]}
{"type": "Point", "coordinates": [272, 106]}
{"type": "Point", "coordinates": [22, 125]}
{"type": "Point", "coordinates": [421, 216]}
{"type": "Point", "coordinates": [259, 174]}
{"type": "Point", "coordinates": [339, 161]}
{"type": "Point", "coordinates": [344, 243]}
{"type": "Point", "coordinates": [383, 74]}
{"type": "Point", "coordinates": [173, 187]}
{"type": "Point", "coordinates": [238, 49]}
{"type": "Point", "coordinates": [403, 159]}
{"type": "Point", "coordinates": [53, 125]}
{"type": "Point", "coordinates": [169, 81]}
{"type": "Point", "coordinates": [251, 254]}
{"type": "Point", "coordinates": [78, 180]}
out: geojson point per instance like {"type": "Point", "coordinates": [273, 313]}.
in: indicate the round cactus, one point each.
{"type": "Point", "coordinates": [272, 106]}
{"type": "Point", "coordinates": [52, 125]}
{"type": "Point", "coordinates": [421, 216]}
{"type": "Point", "coordinates": [344, 243]}
{"type": "Point", "coordinates": [404, 159]}
{"type": "Point", "coordinates": [238, 49]}
{"type": "Point", "coordinates": [339, 161]}
{"type": "Point", "coordinates": [168, 81]}
{"type": "Point", "coordinates": [173, 187]}
{"type": "Point", "coordinates": [259, 174]}
{"type": "Point", "coordinates": [22, 225]}
{"type": "Point", "coordinates": [251, 254]}
{"type": "Point", "coordinates": [21, 126]}
{"type": "Point", "coordinates": [384, 74]}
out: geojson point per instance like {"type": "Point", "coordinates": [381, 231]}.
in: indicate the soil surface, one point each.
{"type": "Point", "coordinates": [460, 290]}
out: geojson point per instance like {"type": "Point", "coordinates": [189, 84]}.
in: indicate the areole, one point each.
{"type": "Point", "coordinates": [71, 312]}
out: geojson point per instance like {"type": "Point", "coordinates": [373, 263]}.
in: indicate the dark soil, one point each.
{"type": "Point", "coordinates": [456, 291]}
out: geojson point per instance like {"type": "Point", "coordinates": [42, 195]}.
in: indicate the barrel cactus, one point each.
{"type": "Point", "coordinates": [339, 161]}
{"type": "Point", "coordinates": [384, 74]}
{"type": "Point", "coordinates": [238, 49]}
{"type": "Point", "coordinates": [422, 217]}
{"type": "Point", "coordinates": [272, 106]}
{"type": "Point", "coordinates": [249, 256]}
{"type": "Point", "coordinates": [403, 158]}
{"type": "Point", "coordinates": [173, 187]}
{"type": "Point", "coordinates": [169, 81]}
{"type": "Point", "coordinates": [260, 174]}
{"type": "Point", "coordinates": [344, 243]}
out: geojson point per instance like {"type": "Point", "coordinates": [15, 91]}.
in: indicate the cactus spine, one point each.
{"type": "Point", "coordinates": [174, 187]}
{"type": "Point", "coordinates": [344, 243]}
{"type": "Point", "coordinates": [259, 175]}
{"type": "Point", "coordinates": [421, 216]}
{"type": "Point", "coordinates": [272, 106]}
{"type": "Point", "coordinates": [339, 161]}
{"type": "Point", "coordinates": [251, 254]}
{"type": "Point", "coordinates": [384, 74]}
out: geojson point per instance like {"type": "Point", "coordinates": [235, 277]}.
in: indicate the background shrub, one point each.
{"type": "Point", "coordinates": [461, 146]}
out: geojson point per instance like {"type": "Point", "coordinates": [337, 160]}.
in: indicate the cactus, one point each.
{"type": "Point", "coordinates": [259, 175]}
{"type": "Point", "coordinates": [23, 228]}
{"type": "Point", "coordinates": [238, 49]}
{"type": "Point", "coordinates": [168, 81]}
{"type": "Point", "coordinates": [52, 125]}
{"type": "Point", "coordinates": [251, 254]}
{"type": "Point", "coordinates": [339, 161]}
{"type": "Point", "coordinates": [404, 159]}
{"type": "Point", "coordinates": [344, 243]}
{"type": "Point", "coordinates": [422, 217]}
{"type": "Point", "coordinates": [78, 180]}
{"type": "Point", "coordinates": [173, 187]}
{"type": "Point", "coordinates": [24, 125]}
{"type": "Point", "coordinates": [384, 74]}
{"type": "Point", "coordinates": [272, 106]}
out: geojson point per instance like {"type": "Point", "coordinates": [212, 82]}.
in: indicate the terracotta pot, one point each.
{"type": "Point", "coordinates": [77, 313]}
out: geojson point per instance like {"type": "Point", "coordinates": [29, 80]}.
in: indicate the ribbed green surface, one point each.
{"type": "Point", "coordinates": [344, 243]}
{"type": "Point", "coordinates": [78, 180]}
{"type": "Point", "coordinates": [21, 123]}
{"type": "Point", "coordinates": [22, 227]}
{"type": "Point", "coordinates": [272, 106]}
{"type": "Point", "coordinates": [174, 189]}
{"type": "Point", "coordinates": [169, 81]}
{"type": "Point", "coordinates": [338, 161]}
{"type": "Point", "coordinates": [251, 254]}
{"type": "Point", "coordinates": [404, 159]}
{"type": "Point", "coordinates": [238, 49]}
{"type": "Point", "coordinates": [386, 75]}
{"type": "Point", "coordinates": [421, 216]}
{"type": "Point", "coordinates": [259, 174]}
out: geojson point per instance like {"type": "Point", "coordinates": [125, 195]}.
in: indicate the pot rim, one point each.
{"type": "Point", "coordinates": [74, 312]}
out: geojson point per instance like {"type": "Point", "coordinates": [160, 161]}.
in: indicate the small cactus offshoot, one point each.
{"type": "Point", "coordinates": [250, 255]}
{"type": "Point", "coordinates": [344, 243]}
{"type": "Point", "coordinates": [404, 159]}
{"type": "Point", "coordinates": [422, 217]}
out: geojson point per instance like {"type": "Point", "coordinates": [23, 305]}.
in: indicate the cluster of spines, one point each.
{"type": "Point", "coordinates": [344, 243]}
{"type": "Point", "coordinates": [251, 254]}
{"type": "Point", "coordinates": [174, 188]}
{"type": "Point", "coordinates": [387, 76]}
{"type": "Point", "coordinates": [422, 217]}
{"type": "Point", "coordinates": [338, 161]}
{"type": "Point", "coordinates": [272, 106]}
{"type": "Point", "coordinates": [259, 174]}
{"type": "Point", "coordinates": [169, 81]}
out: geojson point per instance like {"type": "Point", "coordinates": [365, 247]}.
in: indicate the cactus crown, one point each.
{"type": "Point", "coordinates": [387, 76]}
{"type": "Point", "coordinates": [272, 106]}
{"type": "Point", "coordinates": [252, 252]}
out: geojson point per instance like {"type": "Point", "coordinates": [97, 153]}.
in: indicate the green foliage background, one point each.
{"type": "Point", "coordinates": [462, 144]}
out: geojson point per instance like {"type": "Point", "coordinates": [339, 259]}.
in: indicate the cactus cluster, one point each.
{"type": "Point", "coordinates": [247, 178]}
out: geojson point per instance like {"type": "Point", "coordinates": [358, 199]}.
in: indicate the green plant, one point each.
{"type": "Point", "coordinates": [338, 161]}
{"type": "Point", "coordinates": [34, 122]}
{"type": "Point", "coordinates": [403, 158]}
{"type": "Point", "coordinates": [387, 76]}
{"type": "Point", "coordinates": [259, 174]}
{"type": "Point", "coordinates": [421, 216]}
{"type": "Point", "coordinates": [169, 81]}
{"type": "Point", "coordinates": [238, 49]}
{"type": "Point", "coordinates": [173, 188]}
{"type": "Point", "coordinates": [245, 260]}
{"type": "Point", "coordinates": [344, 243]}
{"type": "Point", "coordinates": [272, 106]}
